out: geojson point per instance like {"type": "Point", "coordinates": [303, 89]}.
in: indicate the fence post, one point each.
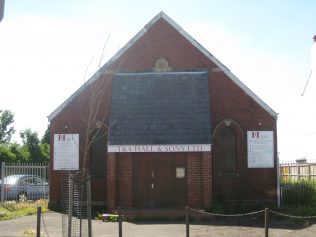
{"type": "Point", "coordinates": [187, 221]}
{"type": "Point", "coordinates": [266, 221]}
{"type": "Point", "coordinates": [38, 225]}
{"type": "Point", "coordinates": [309, 171]}
{"type": "Point", "coordinates": [2, 181]}
{"type": "Point", "coordinates": [120, 221]}
{"type": "Point", "coordinates": [89, 205]}
{"type": "Point", "coordinates": [70, 203]}
{"type": "Point", "coordinates": [278, 182]}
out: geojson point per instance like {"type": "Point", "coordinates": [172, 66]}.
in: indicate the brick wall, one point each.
{"type": "Point", "coordinates": [246, 185]}
{"type": "Point", "coordinates": [207, 178]}
{"type": "Point", "coordinates": [111, 181]}
{"type": "Point", "coordinates": [227, 101]}
{"type": "Point", "coordinates": [124, 180]}
{"type": "Point", "coordinates": [74, 119]}
{"type": "Point", "coordinates": [194, 180]}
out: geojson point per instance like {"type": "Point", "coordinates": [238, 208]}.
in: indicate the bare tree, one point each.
{"type": "Point", "coordinates": [94, 103]}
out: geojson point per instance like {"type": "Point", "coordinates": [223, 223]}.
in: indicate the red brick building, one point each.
{"type": "Point", "coordinates": [165, 124]}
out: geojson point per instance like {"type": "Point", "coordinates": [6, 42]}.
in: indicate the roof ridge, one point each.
{"type": "Point", "coordinates": [119, 53]}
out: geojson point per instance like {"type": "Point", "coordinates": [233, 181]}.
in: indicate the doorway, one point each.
{"type": "Point", "coordinates": [160, 180]}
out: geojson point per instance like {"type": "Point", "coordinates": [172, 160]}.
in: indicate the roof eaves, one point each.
{"type": "Point", "coordinates": [73, 96]}
{"type": "Point", "coordinates": [106, 66]}
{"type": "Point", "coordinates": [220, 65]}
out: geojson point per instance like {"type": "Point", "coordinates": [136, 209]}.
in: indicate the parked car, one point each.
{"type": "Point", "coordinates": [24, 187]}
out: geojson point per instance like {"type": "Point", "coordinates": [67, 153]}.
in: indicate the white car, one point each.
{"type": "Point", "coordinates": [24, 187]}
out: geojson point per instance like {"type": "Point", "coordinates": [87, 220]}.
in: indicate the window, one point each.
{"type": "Point", "coordinates": [98, 153]}
{"type": "Point", "coordinates": [228, 150]}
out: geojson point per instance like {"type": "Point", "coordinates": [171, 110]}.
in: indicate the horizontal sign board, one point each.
{"type": "Point", "coordinates": [160, 148]}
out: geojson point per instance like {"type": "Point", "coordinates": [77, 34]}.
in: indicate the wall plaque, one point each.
{"type": "Point", "coordinates": [66, 151]}
{"type": "Point", "coordinates": [260, 149]}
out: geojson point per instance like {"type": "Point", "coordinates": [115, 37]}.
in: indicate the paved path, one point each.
{"type": "Point", "coordinates": [53, 223]}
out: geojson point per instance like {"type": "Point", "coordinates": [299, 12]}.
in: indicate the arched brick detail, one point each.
{"type": "Point", "coordinates": [228, 122]}
{"type": "Point", "coordinates": [225, 185]}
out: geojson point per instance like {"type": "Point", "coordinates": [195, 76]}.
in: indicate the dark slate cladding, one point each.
{"type": "Point", "coordinates": [160, 108]}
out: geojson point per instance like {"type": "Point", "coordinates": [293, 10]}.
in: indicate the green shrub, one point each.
{"type": "Point", "coordinates": [299, 193]}
{"type": "Point", "coordinates": [108, 218]}
{"type": "Point", "coordinates": [216, 207]}
{"type": "Point", "coordinates": [98, 216]}
{"type": "Point", "coordinates": [309, 210]}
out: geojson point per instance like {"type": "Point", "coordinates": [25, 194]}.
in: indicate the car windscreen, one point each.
{"type": "Point", "coordinates": [10, 180]}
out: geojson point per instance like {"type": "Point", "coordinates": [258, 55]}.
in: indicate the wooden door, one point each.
{"type": "Point", "coordinates": [143, 191]}
{"type": "Point", "coordinates": [156, 183]}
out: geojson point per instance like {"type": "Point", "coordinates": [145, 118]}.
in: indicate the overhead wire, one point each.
{"type": "Point", "coordinates": [309, 76]}
{"type": "Point", "coordinates": [313, 63]}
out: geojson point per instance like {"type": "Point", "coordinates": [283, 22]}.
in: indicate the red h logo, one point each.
{"type": "Point", "coordinates": [255, 134]}
{"type": "Point", "coordinates": [61, 137]}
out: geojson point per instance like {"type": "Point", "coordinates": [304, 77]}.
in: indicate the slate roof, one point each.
{"type": "Point", "coordinates": [104, 69]}
{"type": "Point", "coordinates": [160, 108]}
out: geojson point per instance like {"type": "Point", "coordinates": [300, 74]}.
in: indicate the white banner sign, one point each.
{"type": "Point", "coordinates": [66, 151]}
{"type": "Point", "coordinates": [160, 148]}
{"type": "Point", "coordinates": [260, 149]}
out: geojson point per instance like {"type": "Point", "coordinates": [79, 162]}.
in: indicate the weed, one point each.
{"type": "Point", "coordinates": [14, 210]}
{"type": "Point", "coordinates": [98, 216]}
{"type": "Point", "coordinates": [31, 233]}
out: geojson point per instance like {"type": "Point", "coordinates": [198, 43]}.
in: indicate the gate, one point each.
{"type": "Point", "coordinates": [23, 181]}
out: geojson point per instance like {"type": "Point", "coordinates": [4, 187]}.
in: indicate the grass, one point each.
{"type": "Point", "coordinates": [32, 233]}
{"type": "Point", "coordinates": [299, 192]}
{"type": "Point", "coordinates": [14, 210]}
{"type": "Point", "coordinates": [299, 198]}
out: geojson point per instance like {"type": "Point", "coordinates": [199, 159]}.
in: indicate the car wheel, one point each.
{"type": "Point", "coordinates": [22, 197]}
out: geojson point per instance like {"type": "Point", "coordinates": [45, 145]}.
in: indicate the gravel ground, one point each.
{"type": "Point", "coordinates": [53, 223]}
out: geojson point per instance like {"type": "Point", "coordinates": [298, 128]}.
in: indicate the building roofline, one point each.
{"type": "Point", "coordinates": [104, 69]}
{"type": "Point", "coordinates": [220, 65]}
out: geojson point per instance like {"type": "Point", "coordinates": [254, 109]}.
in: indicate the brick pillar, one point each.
{"type": "Point", "coordinates": [207, 178]}
{"type": "Point", "coordinates": [125, 180]}
{"type": "Point", "coordinates": [111, 167]}
{"type": "Point", "coordinates": [194, 191]}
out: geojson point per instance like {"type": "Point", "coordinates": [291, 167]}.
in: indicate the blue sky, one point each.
{"type": "Point", "coordinates": [46, 47]}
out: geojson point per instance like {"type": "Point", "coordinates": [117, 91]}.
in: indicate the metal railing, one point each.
{"type": "Point", "coordinates": [297, 182]}
{"type": "Point", "coordinates": [297, 171]}
{"type": "Point", "coordinates": [23, 181]}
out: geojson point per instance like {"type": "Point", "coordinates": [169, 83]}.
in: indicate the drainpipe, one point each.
{"type": "Point", "coordinates": [1, 9]}
{"type": "Point", "coordinates": [278, 182]}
